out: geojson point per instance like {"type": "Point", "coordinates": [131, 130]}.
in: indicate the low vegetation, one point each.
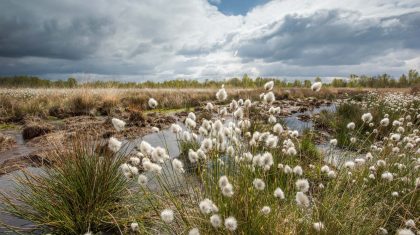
{"type": "Point", "coordinates": [241, 171]}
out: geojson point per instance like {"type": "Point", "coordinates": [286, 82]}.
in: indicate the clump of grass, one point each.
{"type": "Point", "coordinates": [83, 191]}
{"type": "Point", "coordinates": [308, 149]}
{"type": "Point", "coordinates": [81, 105]}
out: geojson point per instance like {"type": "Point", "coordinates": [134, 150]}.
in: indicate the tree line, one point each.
{"type": "Point", "coordinates": [379, 81]}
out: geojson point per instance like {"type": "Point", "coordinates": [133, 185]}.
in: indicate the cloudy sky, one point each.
{"type": "Point", "coordinates": [198, 39]}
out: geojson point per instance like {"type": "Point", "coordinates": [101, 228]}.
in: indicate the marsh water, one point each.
{"type": "Point", "coordinates": [165, 138]}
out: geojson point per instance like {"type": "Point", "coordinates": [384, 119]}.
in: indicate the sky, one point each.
{"type": "Point", "coordinates": [138, 40]}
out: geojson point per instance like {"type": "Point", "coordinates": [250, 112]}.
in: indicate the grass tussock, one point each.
{"type": "Point", "coordinates": [83, 191]}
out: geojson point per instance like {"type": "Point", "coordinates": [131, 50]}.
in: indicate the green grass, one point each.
{"type": "Point", "coordinates": [7, 126]}
{"type": "Point", "coordinates": [83, 191]}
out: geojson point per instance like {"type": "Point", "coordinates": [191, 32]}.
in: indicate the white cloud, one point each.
{"type": "Point", "coordinates": [166, 39]}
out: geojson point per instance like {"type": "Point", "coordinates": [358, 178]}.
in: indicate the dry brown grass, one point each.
{"type": "Point", "coordinates": [16, 104]}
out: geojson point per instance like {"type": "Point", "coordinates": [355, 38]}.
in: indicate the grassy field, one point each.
{"type": "Point", "coordinates": [240, 171]}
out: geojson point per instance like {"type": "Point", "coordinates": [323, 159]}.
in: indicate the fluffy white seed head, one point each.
{"type": "Point", "coordinates": [316, 86]}
{"type": "Point", "coordinates": [134, 227]}
{"type": "Point", "coordinates": [118, 124]}
{"type": "Point", "coordinates": [231, 224]}
{"type": "Point", "coordinates": [302, 185]}
{"type": "Point", "coordinates": [221, 94]}
{"type": "Point", "coordinates": [142, 180]}
{"type": "Point", "coordinates": [269, 86]}
{"type": "Point", "coordinates": [278, 193]}
{"type": "Point", "coordinates": [367, 117]}
{"type": "Point", "coordinates": [114, 145]}
{"type": "Point", "coordinates": [152, 103]}
{"type": "Point", "coordinates": [318, 226]}
{"type": "Point", "coordinates": [178, 166]}
{"type": "Point", "coordinates": [207, 206]}
{"type": "Point", "coordinates": [259, 184]}
{"type": "Point", "coordinates": [351, 126]}
{"type": "Point", "coordinates": [266, 210]}
{"type": "Point", "coordinates": [387, 176]}
{"type": "Point", "coordinates": [194, 231]}
{"type": "Point", "coordinates": [405, 231]}
{"type": "Point", "coordinates": [216, 221]}
{"type": "Point", "coordinates": [167, 215]}
{"type": "Point", "coordinates": [302, 199]}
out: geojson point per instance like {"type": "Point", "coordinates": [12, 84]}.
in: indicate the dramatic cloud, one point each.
{"type": "Point", "coordinates": [143, 40]}
{"type": "Point", "coordinates": [333, 37]}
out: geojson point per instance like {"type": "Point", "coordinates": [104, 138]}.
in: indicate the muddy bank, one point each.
{"type": "Point", "coordinates": [18, 151]}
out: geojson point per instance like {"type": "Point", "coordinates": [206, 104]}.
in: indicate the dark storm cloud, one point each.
{"type": "Point", "coordinates": [334, 37]}
{"type": "Point", "coordinates": [42, 34]}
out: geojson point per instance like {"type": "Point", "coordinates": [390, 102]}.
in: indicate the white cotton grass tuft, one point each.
{"type": "Point", "coordinates": [178, 166]}
{"type": "Point", "coordinates": [221, 94]}
{"type": "Point", "coordinates": [325, 169]}
{"type": "Point", "coordinates": [410, 223]}
{"type": "Point", "coordinates": [152, 103]}
{"type": "Point", "coordinates": [134, 227]}
{"type": "Point", "coordinates": [382, 231]}
{"type": "Point", "coordinates": [302, 199]}
{"type": "Point", "coordinates": [331, 174]}
{"type": "Point", "coordinates": [176, 129]}
{"type": "Point", "coordinates": [207, 206]}
{"type": "Point", "coordinates": [266, 210]}
{"type": "Point", "coordinates": [145, 148]}
{"type": "Point", "coordinates": [223, 181]}
{"type": "Point", "coordinates": [297, 170]}
{"type": "Point", "coordinates": [192, 116]}
{"type": "Point", "coordinates": [351, 126]}
{"type": "Point", "coordinates": [387, 176]}
{"type": "Point", "coordinates": [395, 137]}
{"type": "Point", "coordinates": [349, 164]}
{"type": "Point", "coordinates": [194, 231]}
{"type": "Point", "coordinates": [367, 117]}
{"type": "Point", "coordinates": [269, 98]}
{"type": "Point", "coordinates": [302, 185]}
{"type": "Point", "coordinates": [192, 156]}
{"type": "Point", "coordinates": [278, 193]}
{"type": "Point", "coordinates": [291, 151]}
{"type": "Point", "coordinates": [209, 106]}
{"type": "Point", "coordinates": [316, 86]}
{"type": "Point", "coordinates": [167, 215]}
{"type": "Point", "coordinates": [114, 145]}
{"type": "Point", "coordinates": [231, 224]}
{"type": "Point", "coordinates": [405, 231]}
{"type": "Point", "coordinates": [269, 86]}
{"type": "Point", "coordinates": [142, 180]}
{"type": "Point", "coordinates": [227, 188]}
{"type": "Point", "coordinates": [384, 122]}
{"type": "Point", "coordinates": [333, 142]}
{"type": "Point", "coordinates": [118, 124]}
{"type": "Point", "coordinates": [318, 226]}
{"type": "Point", "coordinates": [216, 221]}
{"type": "Point", "coordinates": [259, 184]}
{"type": "Point", "coordinates": [278, 128]}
